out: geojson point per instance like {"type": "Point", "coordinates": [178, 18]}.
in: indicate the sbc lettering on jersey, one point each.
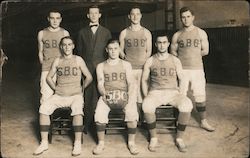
{"type": "Point", "coordinates": [189, 43]}
{"type": "Point", "coordinates": [66, 71]}
{"type": "Point", "coordinates": [163, 71]}
{"type": "Point", "coordinates": [135, 42]}
{"type": "Point", "coordinates": [50, 43]}
{"type": "Point", "coordinates": [114, 76]}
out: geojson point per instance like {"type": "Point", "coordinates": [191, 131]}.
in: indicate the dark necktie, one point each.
{"type": "Point", "coordinates": [94, 25]}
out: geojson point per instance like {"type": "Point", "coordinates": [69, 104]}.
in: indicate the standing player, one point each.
{"type": "Point", "coordinates": [136, 47]}
{"type": "Point", "coordinates": [163, 69]}
{"type": "Point", "coordinates": [115, 85]}
{"type": "Point", "coordinates": [69, 69]}
{"type": "Point", "coordinates": [48, 47]}
{"type": "Point", "coordinates": [190, 44]}
{"type": "Point", "coordinates": [91, 43]}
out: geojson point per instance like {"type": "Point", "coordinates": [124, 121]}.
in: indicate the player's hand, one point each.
{"type": "Point", "coordinates": [104, 98]}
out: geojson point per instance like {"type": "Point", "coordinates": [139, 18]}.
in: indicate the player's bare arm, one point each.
{"type": "Point", "coordinates": [174, 44]}
{"type": "Point", "coordinates": [179, 73]}
{"type": "Point", "coordinates": [85, 72]}
{"type": "Point", "coordinates": [149, 42]}
{"type": "Point", "coordinates": [122, 43]}
{"type": "Point", "coordinates": [145, 76]}
{"type": "Point", "coordinates": [204, 42]}
{"type": "Point", "coordinates": [51, 74]}
{"type": "Point", "coordinates": [100, 80]}
{"type": "Point", "coordinates": [130, 79]}
{"type": "Point", "coordinates": [40, 46]}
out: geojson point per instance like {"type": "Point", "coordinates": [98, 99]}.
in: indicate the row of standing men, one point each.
{"type": "Point", "coordinates": [169, 75]}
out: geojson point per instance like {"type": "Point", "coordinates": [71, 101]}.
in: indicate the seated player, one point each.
{"type": "Point", "coordinates": [163, 70]}
{"type": "Point", "coordinates": [115, 85]}
{"type": "Point", "coordinates": [69, 69]}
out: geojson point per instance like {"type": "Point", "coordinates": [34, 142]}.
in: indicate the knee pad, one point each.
{"type": "Point", "coordinates": [181, 127]}
{"type": "Point", "coordinates": [201, 107]}
{"type": "Point", "coordinates": [78, 128]}
{"type": "Point", "coordinates": [186, 105]}
{"type": "Point", "coordinates": [44, 128]}
{"type": "Point", "coordinates": [131, 130]}
{"type": "Point", "coordinates": [151, 125]}
{"type": "Point", "coordinates": [100, 127]}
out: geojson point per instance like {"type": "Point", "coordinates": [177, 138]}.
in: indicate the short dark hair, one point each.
{"type": "Point", "coordinates": [112, 40]}
{"type": "Point", "coordinates": [66, 37]}
{"type": "Point", "coordinates": [54, 11]}
{"type": "Point", "coordinates": [135, 7]}
{"type": "Point", "coordinates": [95, 6]}
{"type": "Point", "coordinates": [161, 34]}
{"type": "Point", "coordinates": [184, 9]}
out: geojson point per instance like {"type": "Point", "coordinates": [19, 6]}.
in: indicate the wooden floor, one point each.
{"type": "Point", "coordinates": [227, 106]}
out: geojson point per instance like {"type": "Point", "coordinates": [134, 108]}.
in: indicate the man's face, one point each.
{"type": "Point", "coordinates": [162, 44]}
{"type": "Point", "coordinates": [94, 15]}
{"type": "Point", "coordinates": [135, 16]}
{"type": "Point", "coordinates": [54, 19]}
{"type": "Point", "coordinates": [113, 50]}
{"type": "Point", "coordinates": [187, 19]}
{"type": "Point", "coordinates": [67, 47]}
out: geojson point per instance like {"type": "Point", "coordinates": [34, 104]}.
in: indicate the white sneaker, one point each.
{"type": "Point", "coordinates": [153, 144]}
{"type": "Point", "coordinates": [77, 149]}
{"type": "Point", "coordinates": [42, 147]}
{"type": "Point", "coordinates": [133, 150]}
{"type": "Point", "coordinates": [206, 126]}
{"type": "Point", "coordinates": [180, 145]}
{"type": "Point", "coordinates": [98, 149]}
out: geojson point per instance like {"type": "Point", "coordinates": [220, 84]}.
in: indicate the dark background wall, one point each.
{"type": "Point", "coordinates": [227, 62]}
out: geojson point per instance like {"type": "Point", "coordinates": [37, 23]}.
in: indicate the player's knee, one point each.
{"type": "Point", "coordinates": [148, 108]}
{"type": "Point", "coordinates": [185, 105]}
{"type": "Point", "coordinates": [200, 98]}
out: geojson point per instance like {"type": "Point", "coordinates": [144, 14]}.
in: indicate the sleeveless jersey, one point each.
{"type": "Point", "coordinates": [135, 47]}
{"type": "Point", "coordinates": [51, 47]}
{"type": "Point", "coordinates": [115, 77]}
{"type": "Point", "coordinates": [68, 77]}
{"type": "Point", "coordinates": [163, 73]}
{"type": "Point", "coordinates": [189, 49]}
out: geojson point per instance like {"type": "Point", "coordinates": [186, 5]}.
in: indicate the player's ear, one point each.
{"type": "Point", "coordinates": [156, 44]}
{"type": "Point", "coordinates": [88, 15]}
{"type": "Point", "coordinates": [129, 17]}
{"type": "Point", "coordinates": [106, 49]}
{"type": "Point", "coordinates": [100, 15]}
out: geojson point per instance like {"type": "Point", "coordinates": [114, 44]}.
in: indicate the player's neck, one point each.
{"type": "Point", "coordinates": [113, 61]}
{"type": "Point", "coordinates": [53, 29]}
{"type": "Point", "coordinates": [189, 28]}
{"type": "Point", "coordinates": [135, 27]}
{"type": "Point", "coordinates": [67, 56]}
{"type": "Point", "coordinates": [162, 56]}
